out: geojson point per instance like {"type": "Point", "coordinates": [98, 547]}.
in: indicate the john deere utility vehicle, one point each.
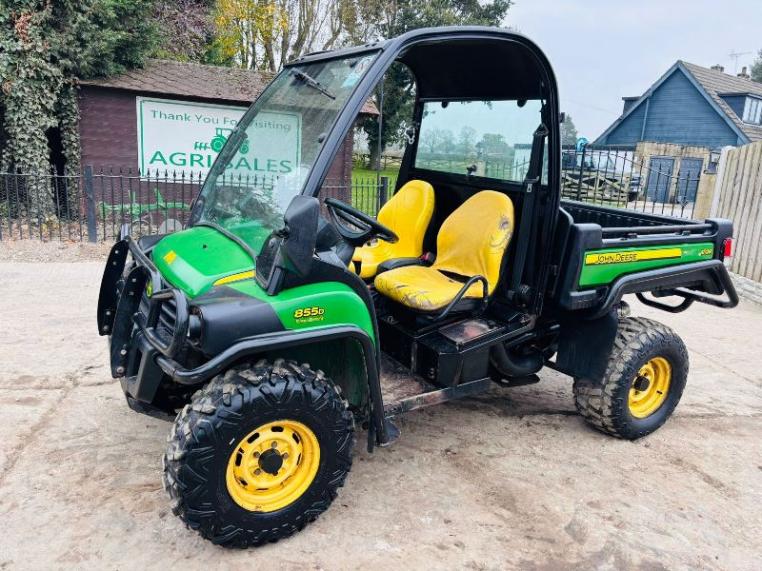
{"type": "Point", "coordinates": [280, 321]}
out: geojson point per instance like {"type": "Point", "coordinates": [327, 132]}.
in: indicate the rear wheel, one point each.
{"type": "Point", "coordinates": [259, 453]}
{"type": "Point", "coordinates": [643, 382]}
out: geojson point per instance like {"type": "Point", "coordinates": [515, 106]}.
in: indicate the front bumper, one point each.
{"type": "Point", "coordinates": [140, 327]}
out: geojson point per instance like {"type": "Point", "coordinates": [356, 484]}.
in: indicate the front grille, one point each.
{"type": "Point", "coordinates": [165, 328]}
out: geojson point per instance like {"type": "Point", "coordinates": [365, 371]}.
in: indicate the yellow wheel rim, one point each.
{"type": "Point", "coordinates": [650, 387]}
{"type": "Point", "coordinates": [272, 466]}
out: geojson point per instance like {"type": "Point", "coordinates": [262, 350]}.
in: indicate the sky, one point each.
{"type": "Point", "coordinates": [603, 50]}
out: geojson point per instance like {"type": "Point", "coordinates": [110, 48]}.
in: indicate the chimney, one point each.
{"type": "Point", "coordinates": [717, 67]}
{"type": "Point", "coordinates": [743, 74]}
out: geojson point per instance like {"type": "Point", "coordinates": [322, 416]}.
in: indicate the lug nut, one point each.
{"type": "Point", "coordinates": [274, 444]}
{"type": "Point", "coordinates": [123, 352]}
{"type": "Point", "coordinates": [285, 455]}
{"type": "Point", "coordinates": [256, 454]}
{"type": "Point", "coordinates": [120, 370]}
{"type": "Point", "coordinates": [257, 472]}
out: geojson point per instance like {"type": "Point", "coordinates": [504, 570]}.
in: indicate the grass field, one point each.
{"type": "Point", "coordinates": [364, 189]}
{"type": "Point", "coordinates": [364, 176]}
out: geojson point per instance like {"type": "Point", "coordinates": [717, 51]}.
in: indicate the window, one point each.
{"type": "Point", "coordinates": [752, 111]}
{"type": "Point", "coordinates": [491, 138]}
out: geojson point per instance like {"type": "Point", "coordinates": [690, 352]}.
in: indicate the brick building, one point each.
{"type": "Point", "coordinates": [111, 123]}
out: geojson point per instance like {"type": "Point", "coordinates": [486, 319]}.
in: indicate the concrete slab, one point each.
{"type": "Point", "coordinates": [22, 412]}
{"type": "Point", "coordinates": [511, 479]}
{"type": "Point", "coordinates": [466, 487]}
{"type": "Point", "coordinates": [47, 320]}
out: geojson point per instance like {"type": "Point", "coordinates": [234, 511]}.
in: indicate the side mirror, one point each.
{"type": "Point", "coordinates": [291, 248]}
{"type": "Point", "coordinates": [301, 220]}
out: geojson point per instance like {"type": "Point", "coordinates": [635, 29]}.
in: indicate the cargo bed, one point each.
{"type": "Point", "coordinates": [604, 253]}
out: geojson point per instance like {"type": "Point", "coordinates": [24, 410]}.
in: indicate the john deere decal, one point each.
{"type": "Point", "coordinates": [631, 256]}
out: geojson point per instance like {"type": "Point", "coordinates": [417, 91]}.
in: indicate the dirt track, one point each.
{"type": "Point", "coordinates": [509, 480]}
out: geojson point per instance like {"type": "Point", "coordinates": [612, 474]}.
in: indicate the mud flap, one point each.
{"type": "Point", "coordinates": [584, 345]}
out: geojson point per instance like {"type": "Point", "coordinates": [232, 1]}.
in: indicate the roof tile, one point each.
{"type": "Point", "coordinates": [715, 82]}
{"type": "Point", "coordinates": [185, 79]}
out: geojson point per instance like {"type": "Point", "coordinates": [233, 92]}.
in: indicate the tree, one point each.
{"type": "Point", "coordinates": [44, 48]}
{"type": "Point", "coordinates": [466, 139]}
{"type": "Point", "coordinates": [265, 34]}
{"type": "Point", "coordinates": [756, 68]}
{"type": "Point", "coordinates": [568, 131]}
{"type": "Point", "coordinates": [397, 17]}
{"type": "Point", "coordinates": [187, 30]}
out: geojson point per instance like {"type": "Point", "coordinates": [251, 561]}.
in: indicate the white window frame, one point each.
{"type": "Point", "coordinates": [752, 111]}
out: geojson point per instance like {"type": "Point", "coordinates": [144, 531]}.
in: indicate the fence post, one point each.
{"type": "Point", "coordinates": [383, 191]}
{"type": "Point", "coordinates": [92, 229]}
{"type": "Point", "coordinates": [719, 182]}
{"type": "Point", "coordinates": [581, 170]}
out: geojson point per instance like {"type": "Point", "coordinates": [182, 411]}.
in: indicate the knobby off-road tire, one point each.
{"type": "Point", "coordinates": [210, 429]}
{"type": "Point", "coordinates": [604, 403]}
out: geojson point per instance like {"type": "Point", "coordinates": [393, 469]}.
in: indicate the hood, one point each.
{"type": "Point", "coordinates": [193, 260]}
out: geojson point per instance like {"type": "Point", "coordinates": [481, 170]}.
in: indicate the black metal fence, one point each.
{"type": "Point", "coordinates": [619, 178]}
{"type": "Point", "coordinates": [97, 203]}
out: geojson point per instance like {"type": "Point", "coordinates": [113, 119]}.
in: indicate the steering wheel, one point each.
{"type": "Point", "coordinates": [368, 227]}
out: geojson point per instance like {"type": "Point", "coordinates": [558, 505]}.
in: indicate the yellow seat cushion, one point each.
{"type": "Point", "coordinates": [470, 242]}
{"type": "Point", "coordinates": [422, 288]}
{"type": "Point", "coordinates": [407, 214]}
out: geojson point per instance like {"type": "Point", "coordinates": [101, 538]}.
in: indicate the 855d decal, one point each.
{"type": "Point", "coordinates": [309, 314]}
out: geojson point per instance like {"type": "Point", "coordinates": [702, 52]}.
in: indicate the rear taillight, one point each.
{"type": "Point", "coordinates": [727, 248]}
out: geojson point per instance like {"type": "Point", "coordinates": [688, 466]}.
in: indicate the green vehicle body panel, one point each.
{"type": "Point", "coordinates": [322, 304]}
{"type": "Point", "coordinates": [193, 259]}
{"type": "Point", "coordinates": [601, 267]}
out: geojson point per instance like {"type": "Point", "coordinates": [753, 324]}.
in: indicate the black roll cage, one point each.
{"type": "Point", "coordinates": [396, 49]}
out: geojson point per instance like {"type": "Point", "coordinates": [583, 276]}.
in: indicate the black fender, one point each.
{"type": "Point", "coordinates": [283, 340]}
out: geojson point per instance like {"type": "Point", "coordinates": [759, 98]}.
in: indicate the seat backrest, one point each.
{"type": "Point", "coordinates": [473, 239]}
{"type": "Point", "coordinates": [408, 214]}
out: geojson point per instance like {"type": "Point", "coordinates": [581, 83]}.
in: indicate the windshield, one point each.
{"type": "Point", "coordinates": [266, 159]}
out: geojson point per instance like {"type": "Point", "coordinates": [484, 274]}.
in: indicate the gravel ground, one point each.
{"type": "Point", "coordinates": [51, 251]}
{"type": "Point", "coordinates": [509, 480]}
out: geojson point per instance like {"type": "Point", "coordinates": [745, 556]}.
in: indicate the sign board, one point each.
{"type": "Point", "coordinates": [184, 138]}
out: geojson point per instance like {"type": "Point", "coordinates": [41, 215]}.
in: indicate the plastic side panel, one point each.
{"type": "Point", "coordinates": [314, 305]}
{"type": "Point", "coordinates": [603, 266]}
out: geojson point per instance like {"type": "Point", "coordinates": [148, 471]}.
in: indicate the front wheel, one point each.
{"type": "Point", "coordinates": [259, 453]}
{"type": "Point", "coordinates": [644, 380]}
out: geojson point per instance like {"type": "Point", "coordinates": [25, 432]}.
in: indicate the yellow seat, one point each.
{"type": "Point", "coordinates": [407, 214]}
{"type": "Point", "coordinates": [471, 242]}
